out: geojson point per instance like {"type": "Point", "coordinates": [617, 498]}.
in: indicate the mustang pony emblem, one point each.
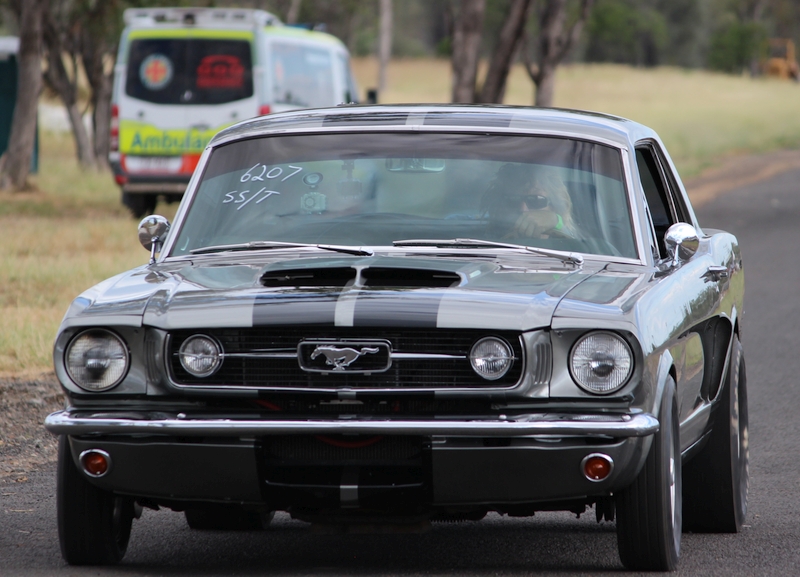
{"type": "Point", "coordinates": [341, 357]}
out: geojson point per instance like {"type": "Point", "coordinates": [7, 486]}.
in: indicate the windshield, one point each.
{"type": "Point", "coordinates": [376, 189]}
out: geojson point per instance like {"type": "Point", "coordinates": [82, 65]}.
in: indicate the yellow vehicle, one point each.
{"type": "Point", "coordinates": [781, 62]}
{"type": "Point", "coordinates": [182, 74]}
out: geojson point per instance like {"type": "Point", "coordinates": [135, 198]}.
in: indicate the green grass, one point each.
{"type": "Point", "coordinates": [73, 232]}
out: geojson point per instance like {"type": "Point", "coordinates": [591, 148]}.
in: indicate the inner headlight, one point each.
{"type": "Point", "coordinates": [200, 355]}
{"type": "Point", "coordinates": [97, 360]}
{"type": "Point", "coordinates": [491, 358]}
{"type": "Point", "coordinates": [601, 362]}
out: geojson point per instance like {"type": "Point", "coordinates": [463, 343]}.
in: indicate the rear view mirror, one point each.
{"type": "Point", "coordinates": [414, 164]}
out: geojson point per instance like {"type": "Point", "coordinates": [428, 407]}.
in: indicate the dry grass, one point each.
{"type": "Point", "coordinates": [45, 263]}
{"type": "Point", "coordinates": [701, 116]}
{"type": "Point", "coordinates": [73, 232]}
{"type": "Point", "coordinates": [57, 242]}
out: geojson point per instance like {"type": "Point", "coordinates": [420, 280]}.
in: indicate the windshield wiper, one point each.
{"type": "Point", "coordinates": [564, 256]}
{"type": "Point", "coordinates": [270, 244]}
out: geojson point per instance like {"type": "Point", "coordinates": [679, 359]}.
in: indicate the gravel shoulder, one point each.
{"type": "Point", "coordinates": [25, 445]}
{"type": "Point", "coordinates": [25, 400]}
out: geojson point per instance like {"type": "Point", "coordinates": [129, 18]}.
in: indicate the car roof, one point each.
{"type": "Point", "coordinates": [183, 17]}
{"type": "Point", "coordinates": [302, 33]}
{"type": "Point", "coordinates": [493, 118]}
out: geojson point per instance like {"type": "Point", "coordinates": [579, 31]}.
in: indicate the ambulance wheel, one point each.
{"type": "Point", "coordinates": [140, 205]}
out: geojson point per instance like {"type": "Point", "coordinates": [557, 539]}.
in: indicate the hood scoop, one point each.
{"type": "Point", "coordinates": [383, 277]}
{"type": "Point", "coordinates": [368, 277]}
{"type": "Point", "coordinates": [309, 277]}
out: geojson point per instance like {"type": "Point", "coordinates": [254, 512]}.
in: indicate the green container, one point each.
{"type": "Point", "coordinates": [9, 45]}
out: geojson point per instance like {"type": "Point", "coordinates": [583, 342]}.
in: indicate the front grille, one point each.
{"type": "Point", "coordinates": [284, 372]}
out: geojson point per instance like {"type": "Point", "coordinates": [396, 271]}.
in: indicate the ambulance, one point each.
{"type": "Point", "coordinates": [182, 74]}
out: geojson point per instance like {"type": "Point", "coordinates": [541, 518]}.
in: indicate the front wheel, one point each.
{"type": "Point", "coordinates": [94, 526]}
{"type": "Point", "coordinates": [649, 510]}
{"type": "Point", "coordinates": [717, 478]}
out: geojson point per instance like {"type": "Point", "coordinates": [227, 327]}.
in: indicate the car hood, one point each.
{"type": "Point", "coordinates": [518, 293]}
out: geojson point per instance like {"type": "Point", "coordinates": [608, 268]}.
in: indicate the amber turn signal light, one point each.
{"type": "Point", "coordinates": [95, 462]}
{"type": "Point", "coordinates": [597, 467]}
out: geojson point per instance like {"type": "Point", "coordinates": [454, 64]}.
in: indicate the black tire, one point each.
{"type": "Point", "coordinates": [716, 480]}
{"type": "Point", "coordinates": [649, 510]}
{"type": "Point", "coordinates": [140, 205]}
{"type": "Point", "coordinates": [227, 519]}
{"type": "Point", "coordinates": [94, 526]}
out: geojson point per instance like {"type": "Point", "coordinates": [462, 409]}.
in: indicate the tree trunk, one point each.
{"type": "Point", "coordinates": [294, 12]}
{"type": "Point", "coordinates": [494, 87]}
{"type": "Point", "coordinates": [93, 54]}
{"type": "Point", "coordinates": [16, 162]}
{"type": "Point", "coordinates": [101, 119]}
{"type": "Point", "coordinates": [467, 29]}
{"type": "Point", "coordinates": [59, 80]}
{"type": "Point", "coordinates": [546, 86]}
{"type": "Point", "coordinates": [385, 42]}
{"type": "Point", "coordinates": [554, 45]}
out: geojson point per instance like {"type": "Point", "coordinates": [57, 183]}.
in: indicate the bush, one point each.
{"type": "Point", "coordinates": [623, 32]}
{"type": "Point", "coordinates": [736, 45]}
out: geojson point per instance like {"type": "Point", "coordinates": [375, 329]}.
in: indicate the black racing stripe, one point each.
{"type": "Point", "coordinates": [375, 119]}
{"type": "Point", "coordinates": [401, 308]}
{"type": "Point", "coordinates": [466, 119]}
{"type": "Point", "coordinates": [316, 308]}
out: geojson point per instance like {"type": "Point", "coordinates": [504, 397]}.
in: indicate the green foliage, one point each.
{"type": "Point", "coordinates": [735, 45]}
{"type": "Point", "coordinates": [444, 48]}
{"type": "Point", "coordinates": [626, 32]}
{"type": "Point", "coordinates": [686, 22]}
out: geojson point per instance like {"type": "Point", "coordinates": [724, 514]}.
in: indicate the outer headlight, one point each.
{"type": "Point", "coordinates": [491, 358]}
{"type": "Point", "coordinates": [97, 360]}
{"type": "Point", "coordinates": [601, 362]}
{"type": "Point", "coordinates": [200, 355]}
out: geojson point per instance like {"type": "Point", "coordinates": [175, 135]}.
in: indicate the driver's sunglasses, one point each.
{"type": "Point", "coordinates": [532, 201]}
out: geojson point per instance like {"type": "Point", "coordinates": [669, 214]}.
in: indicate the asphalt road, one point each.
{"type": "Point", "coordinates": [765, 218]}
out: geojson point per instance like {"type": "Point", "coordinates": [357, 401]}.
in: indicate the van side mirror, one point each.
{"type": "Point", "coordinates": [372, 96]}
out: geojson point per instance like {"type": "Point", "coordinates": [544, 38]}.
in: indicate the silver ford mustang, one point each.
{"type": "Point", "coordinates": [398, 315]}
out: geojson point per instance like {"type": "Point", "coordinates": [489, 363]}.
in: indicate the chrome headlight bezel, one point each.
{"type": "Point", "coordinates": [88, 365]}
{"type": "Point", "coordinates": [504, 361]}
{"type": "Point", "coordinates": [610, 353]}
{"type": "Point", "coordinates": [213, 353]}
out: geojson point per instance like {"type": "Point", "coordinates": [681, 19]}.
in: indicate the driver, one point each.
{"type": "Point", "coordinates": [527, 201]}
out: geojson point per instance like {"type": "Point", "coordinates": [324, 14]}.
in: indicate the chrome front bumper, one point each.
{"type": "Point", "coordinates": [77, 423]}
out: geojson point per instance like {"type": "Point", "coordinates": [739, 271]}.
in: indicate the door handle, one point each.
{"type": "Point", "coordinates": [715, 273]}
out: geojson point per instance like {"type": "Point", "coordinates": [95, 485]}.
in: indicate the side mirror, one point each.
{"type": "Point", "coordinates": [681, 241]}
{"type": "Point", "coordinates": [153, 231]}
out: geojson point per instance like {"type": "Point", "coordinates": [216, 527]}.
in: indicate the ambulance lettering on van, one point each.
{"type": "Point", "coordinates": [183, 74]}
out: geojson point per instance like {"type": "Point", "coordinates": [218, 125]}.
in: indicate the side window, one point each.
{"type": "Point", "coordinates": [302, 75]}
{"type": "Point", "coordinates": [658, 191]}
